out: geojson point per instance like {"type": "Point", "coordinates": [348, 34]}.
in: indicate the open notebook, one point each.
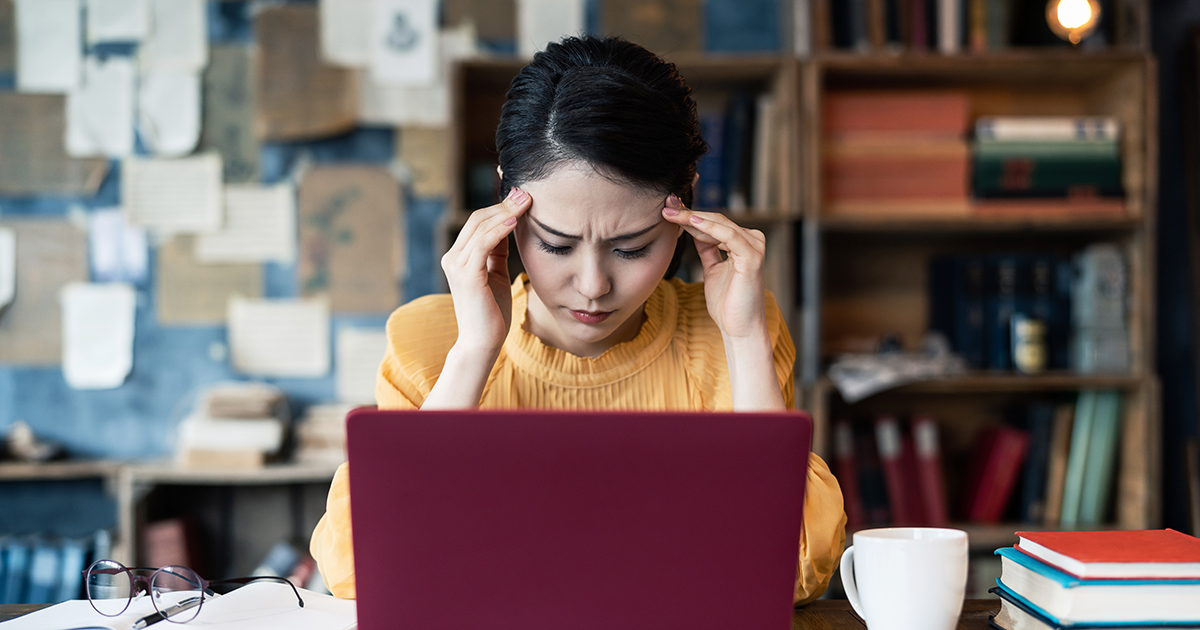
{"type": "Point", "coordinates": [257, 606]}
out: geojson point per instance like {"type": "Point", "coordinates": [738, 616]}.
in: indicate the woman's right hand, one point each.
{"type": "Point", "coordinates": [476, 270]}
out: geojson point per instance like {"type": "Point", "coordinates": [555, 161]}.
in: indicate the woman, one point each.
{"type": "Point", "coordinates": [598, 142]}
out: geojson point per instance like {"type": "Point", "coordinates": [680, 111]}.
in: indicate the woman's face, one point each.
{"type": "Point", "coordinates": [594, 251]}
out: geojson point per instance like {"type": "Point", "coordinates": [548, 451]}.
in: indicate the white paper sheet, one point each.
{"type": "Point", "coordinates": [49, 56]}
{"type": "Point", "coordinates": [288, 338]}
{"type": "Point", "coordinates": [359, 353]}
{"type": "Point", "coordinates": [117, 20]}
{"type": "Point", "coordinates": [260, 225]}
{"type": "Point", "coordinates": [173, 196]}
{"type": "Point", "coordinates": [426, 105]}
{"type": "Point", "coordinates": [100, 110]}
{"type": "Point", "coordinates": [118, 250]}
{"type": "Point", "coordinates": [169, 111]}
{"type": "Point", "coordinates": [97, 334]}
{"type": "Point", "coordinates": [540, 22]}
{"type": "Point", "coordinates": [343, 23]}
{"type": "Point", "coordinates": [178, 37]}
{"type": "Point", "coordinates": [8, 266]}
{"type": "Point", "coordinates": [404, 43]}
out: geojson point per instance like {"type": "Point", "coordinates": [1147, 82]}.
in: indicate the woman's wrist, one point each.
{"type": "Point", "coordinates": [464, 374]}
{"type": "Point", "coordinates": [752, 378]}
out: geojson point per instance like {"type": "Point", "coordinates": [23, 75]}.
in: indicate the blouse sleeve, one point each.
{"type": "Point", "coordinates": [823, 534]}
{"type": "Point", "coordinates": [331, 544]}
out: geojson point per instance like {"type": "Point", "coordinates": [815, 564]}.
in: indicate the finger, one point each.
{"type": "Point", "coordinates": [516, 203]}
{"type": "Point", "coordinates": [489, 239]}
{"type": "Point", "coordinates": [724, 232]}
{"type": "Point", "coordinates": [710, 255]}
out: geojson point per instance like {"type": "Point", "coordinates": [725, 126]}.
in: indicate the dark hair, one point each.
{"type": "Point", "coordinates": [606, 102]}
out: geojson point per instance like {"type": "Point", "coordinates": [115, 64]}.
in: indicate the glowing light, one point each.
{"type": "Point", "coordinates": [1073, 14]}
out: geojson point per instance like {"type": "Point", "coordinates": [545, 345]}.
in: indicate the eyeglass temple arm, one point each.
{"type": "Point", "coordinates": [247, 580]}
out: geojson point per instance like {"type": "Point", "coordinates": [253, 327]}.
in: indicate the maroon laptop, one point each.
{"type": "Point", "coordinates": [571, 520]}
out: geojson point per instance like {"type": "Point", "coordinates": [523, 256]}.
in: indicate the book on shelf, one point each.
{"type": "Point", "coordinates": [1039, 420]}
{"type": "Point", "coordinates": [1072, 600]}
{"type": "Point", "coordinates": [740, 170]}
{"type": "Point", "coordinates": [17, 550]}
{"type": "Point", "coordinates": [1081, 431]}
{"type": "Point", "coordinates": [1124, 554]}
{"type": "Point", "coordinates": [845, 468]}
{"type": "Point", "coordinates": [996, 459]}
{"type": "Point", "coordinates": [1056, 468]}
{"type": "Point", "coordinates": [1097, 492]}
{"type": "Point", "coordinates": [170, 541]}
{"type": "Point", "coordinates": [896, 458]}
{"type": "Point", "coordinates": [871, 478]}
{"type": "Point", "coordinates": [930, 480]}
{"type": "Point", "coordinates": [1046, 128]}
{"type": "Point", "coordinates": [236, 425]}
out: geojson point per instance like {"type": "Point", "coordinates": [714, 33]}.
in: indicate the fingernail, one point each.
{"type": "Point", "coordinates": [697, 219]}
{"type": "Point", "coordinates": [669, 211]}
{"type": "Point", "coordinates": [518, 195]}
{"type": "Point", "coordinates": [510, 221]}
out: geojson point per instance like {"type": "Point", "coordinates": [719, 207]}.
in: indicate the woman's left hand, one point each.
{"type": "Point", "coordinates": [734, 287]}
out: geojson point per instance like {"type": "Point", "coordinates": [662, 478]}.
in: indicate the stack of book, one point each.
{"type": "Point", "coordinates": [1113, 580]}
{"type": "Point", "coordinates": [237, 425]}
{"type": "Point", "coordinates": [739, 173]}
{"type": "Point", "coordinates": [321, 435]}
{"type": "Point", "coordinates": [895, 153]}
{"type": "Point", "coordinates": [1072, 165]}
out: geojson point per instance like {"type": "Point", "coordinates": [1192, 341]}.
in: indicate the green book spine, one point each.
{"type": "Point", "coordinates": [1077, 458]}
{"type": "Point", "coordinates": [1106, 148]}
{"type": "Point", "coordinates": [1045, 175]}
{"type": "Point", "coordinates": [1101, 459]}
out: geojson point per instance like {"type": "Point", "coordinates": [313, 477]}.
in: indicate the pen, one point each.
{"type": "Point", "coordinates": [186, 604]}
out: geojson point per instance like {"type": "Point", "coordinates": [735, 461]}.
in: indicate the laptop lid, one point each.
{"type": "Point", "coordinates": [550, 519]}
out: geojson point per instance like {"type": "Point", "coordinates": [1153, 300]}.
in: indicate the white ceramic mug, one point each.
{"type": "Point", "coordinates": [907, 578]}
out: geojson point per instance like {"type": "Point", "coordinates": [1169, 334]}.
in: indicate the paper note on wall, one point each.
{"type": "Point", "coordinates": [190, 292]}
{"type": "Point", "coordinates": [540, 22]}
{"type": "Point", "coordinates": [228, 112]}
{"type": "Point", "coordinates": [50, 255]}
{"type": "Point", "coordinates": [33, 158]}
{"type": "Point", "coordinates": [299, 96]}
{"type": "Point", "coordinates": [351, 245]}
{"type": "Point", "coordinates": [49, 54]}
{"type": "Point", "coordinates": [404, 42]}
{"type": "Point", "coordinates": [424, 105]}
{"type": "Point", "coordinates": [178, 37]}
{"type": "Point", "coordinates": [7, 37]}
{"type": "Point", "coordinates": [169, 111]}
{"type": "Point", "coordinates": [98, 321]}
{"type": "Point", "coordinates": [117, 20]}
{"type": "Point", "coordinates": [359, 353]}
{"type": "Point", "coordinates": [182, 195]}
{"type": "Point", "coordinates": [285, 338]}
{"type": "Point", "coordinates": [343, 23]}
{"type": "Point", "coordinates": [118, 250]}
{"type": "Point", "coordinates": [260, 225]}
{"type": "Point", "coordinates": [8, 266]}
{"type": "Point", "coordinates": [660, 26]}
{"type": "Point", "coordinates": [426, 153]}
{"type": "Point", "coordinates": [100, 110]}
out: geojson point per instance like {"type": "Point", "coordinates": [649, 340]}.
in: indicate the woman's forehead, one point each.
{"type": "Point", "coordinates": [577, 200]}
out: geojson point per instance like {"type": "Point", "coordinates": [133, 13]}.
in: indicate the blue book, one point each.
{"type": "Point", "coordinates": [1040, 424]}
{"type": "Point", "coordinates": [16, 571]}
{"type": "Point", "coordinates": [743, 25]}
{"type": "Point", "coordinates": [1066, 600]}
{"type": "Point", "coordinates": [1003, 301]}
{"type": "Point", "coordinates": [710, 189]}
{"type": "Point", "coordinates": [74, 561]}
{"type": "Point", "coordinates": [43, 574]}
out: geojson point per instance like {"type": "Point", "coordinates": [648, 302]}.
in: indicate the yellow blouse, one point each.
{"type": "Point", "coordinates": [676, 361]}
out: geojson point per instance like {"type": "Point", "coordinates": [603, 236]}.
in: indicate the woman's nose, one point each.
{"type": "Point", "coordinates": [593, 281]}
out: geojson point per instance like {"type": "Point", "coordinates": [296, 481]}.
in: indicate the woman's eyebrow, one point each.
{"type": "Point", "coordinates": [620, 237]}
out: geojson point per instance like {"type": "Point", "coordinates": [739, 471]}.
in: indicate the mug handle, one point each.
{"type": "Point", "coordinates": [848, 581]}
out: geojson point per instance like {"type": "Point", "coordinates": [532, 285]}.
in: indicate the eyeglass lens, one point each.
{"type": "Point", "coordinates": [172, 585]}
{"type": "Point", "coordinates": [109, 586]}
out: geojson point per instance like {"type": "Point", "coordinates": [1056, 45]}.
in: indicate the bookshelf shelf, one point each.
{"type": "Point", "coordinates": [974, 224]}
{"type": "Point", "coordinates": [50, 471]}
{"type": "Point", "coordinates": [991, 383]}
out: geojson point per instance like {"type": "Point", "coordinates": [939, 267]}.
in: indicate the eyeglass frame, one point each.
{"type": "Point", "coordinates": [145, 582]}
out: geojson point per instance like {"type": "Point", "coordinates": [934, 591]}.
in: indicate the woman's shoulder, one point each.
{"type": "Point", "coordinates": [420, 333]}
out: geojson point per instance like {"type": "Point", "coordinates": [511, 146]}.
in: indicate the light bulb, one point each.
{"type": "Point", "coordinates": [1073, 20]}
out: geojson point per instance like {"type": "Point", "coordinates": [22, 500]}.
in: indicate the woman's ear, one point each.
{"type": "Point", "coordinates": [500, 172]}
{"type": "Point", "coordinates": [695, 179]}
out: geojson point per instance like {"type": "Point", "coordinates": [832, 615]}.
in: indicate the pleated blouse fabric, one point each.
{"type": "Point", "coordinates": [676, 361]}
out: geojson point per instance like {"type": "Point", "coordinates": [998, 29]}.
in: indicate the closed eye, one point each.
{"type": "Point", "coordinates": [553, 249]}
{"type": "Point", "coordinates": [633, 254]}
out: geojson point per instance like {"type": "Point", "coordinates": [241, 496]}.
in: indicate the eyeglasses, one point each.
{"type": "Point", "coordinates": [111, 587]}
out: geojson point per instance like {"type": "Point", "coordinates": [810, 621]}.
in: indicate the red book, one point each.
{"type": "Point", "coordinates": [918, 114]}
{"type": "Point", "coordinates": [995, 465]}
{"type": "Point", "coordinates": [929, 471]}
{"type": "Point", "coordinates": [1140, 554]}
{"type": "Point", "coordinates": [845, 466]}
{"type": "Point", "coordinates": [900, 487]}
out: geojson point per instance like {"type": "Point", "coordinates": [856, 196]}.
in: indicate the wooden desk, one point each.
{"type": "Point", "coordinates": [822, 615]}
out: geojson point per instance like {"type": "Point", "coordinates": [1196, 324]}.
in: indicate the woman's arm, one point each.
{"type": "Point", "coordinates": [735, 292]}
{"type": "Point", "coordinates": [477, 271]}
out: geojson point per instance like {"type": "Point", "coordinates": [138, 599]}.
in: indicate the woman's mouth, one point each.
{"type": "Point", "coordinates": [591, 317]}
